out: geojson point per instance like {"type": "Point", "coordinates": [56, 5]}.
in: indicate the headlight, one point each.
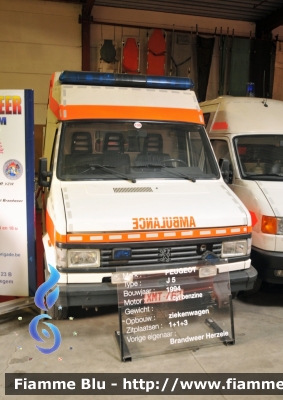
{"type": "Point", "coordinates": [83, 258]}
{"type": "Point", "coordinates": [234, 249]}
{"type": "Point", "coordinates": [61, 257]}
{"type": "Point", "coordinates": [272, 225]}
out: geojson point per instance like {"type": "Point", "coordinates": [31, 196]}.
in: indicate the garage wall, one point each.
{"type": "Point", "coordinates": [37, 38]}
{"type": "Point", "coordinates": [139, 23]}
{"type": "Point", "coordinates": [278, 32]}
{"type": "Point", "coordinates": [149, 19]}
{"type": "Point", "coordinates": [278, 73]}
{"type": "Point", "coordinates": [116, 23]}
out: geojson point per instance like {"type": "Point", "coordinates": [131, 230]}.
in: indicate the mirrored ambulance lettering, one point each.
{"type": "Point", "coordinates": [163, 223]}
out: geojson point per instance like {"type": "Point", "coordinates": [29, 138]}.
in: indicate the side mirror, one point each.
{"type": "Point", "coordinates": [43, 174]}
{"type": "Point", "coordinates": [227, 174]}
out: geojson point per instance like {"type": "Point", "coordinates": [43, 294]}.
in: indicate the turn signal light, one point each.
{"type": "Point", "coordinates": [269, 225]}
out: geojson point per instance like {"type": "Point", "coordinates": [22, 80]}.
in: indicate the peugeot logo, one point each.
{"type": "Point", "coordinates": [203, 248]}
{"type": "Point", "coordinates": [164, 255]}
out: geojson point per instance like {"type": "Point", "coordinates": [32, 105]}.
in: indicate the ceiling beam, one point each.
{"type": "Point", "coordinates": [266, 25]}
{"type": "Point", "coordinates": [68, 1]}
{"type": "Point", "coordinates": [86, 19]}
{"type": "Point", "coordinates": [87, 8]}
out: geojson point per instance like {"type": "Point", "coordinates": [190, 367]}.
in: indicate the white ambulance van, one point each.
{"type": "Point", "coordinates": [131, 180]}
{"type": "Point", "coordinates": [248, 132]}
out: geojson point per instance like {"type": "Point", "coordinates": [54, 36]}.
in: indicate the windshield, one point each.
{"type": "Point", "coordinates": [107, 150]}
{"type": "Point", "coordinates": [260, 157]}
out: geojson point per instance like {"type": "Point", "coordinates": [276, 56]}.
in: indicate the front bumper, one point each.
{"type": "Point", "coordinates": [266, 262]}
{"type": "Point", "coordinates": [105, 293]}
{"type": "Point", "coordinates": [243, 279]}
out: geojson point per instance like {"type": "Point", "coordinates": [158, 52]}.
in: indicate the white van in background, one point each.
{"type": "Point", "coordinates": [248, 132]}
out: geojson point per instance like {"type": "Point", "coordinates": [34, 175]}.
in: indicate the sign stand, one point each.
{"type": "Point", "coordinates": [173, 310]}
{"type": "Point", "coordinates": [16, 304]}
{"type": "Point", "coordinates": [125, 353]}
{"type": "Point", "coordinates": [17, 220]}
{"type": "Point", "coordinates": [212, 324]}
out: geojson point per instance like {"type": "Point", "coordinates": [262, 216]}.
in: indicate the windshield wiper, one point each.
{"type": "Point", "coordinates": [107, 168]}
{"type": "Point", "coordinates": [178, 174]}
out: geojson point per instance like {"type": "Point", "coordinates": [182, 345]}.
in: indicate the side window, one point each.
{"type": "Point", "coordinates": [206, 117]}
{"type": "Point", "coordinates": [221, 150]}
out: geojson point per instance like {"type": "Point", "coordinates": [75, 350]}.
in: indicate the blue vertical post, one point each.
{"type": "Point", "coordinates": [30, 186]}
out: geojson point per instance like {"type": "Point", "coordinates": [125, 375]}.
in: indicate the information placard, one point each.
{"type": "Point", "coordinates": [17, 216]}
{"type": "Point", "coordinates": [172, 310]}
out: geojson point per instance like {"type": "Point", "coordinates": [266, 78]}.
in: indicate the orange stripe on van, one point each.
{"type": "Point", "coordinates": [141, 236]}
{"type": "Point", "coordinates": [54, 236]}
{"type": "Point", "coordinates": [219, 125]}
{"type": "Point", "coordinates": [53, 104]}
{"type": "Point", "coordinates": [50, 229]}
{"type": "Point", "coordinates": [129, 112]}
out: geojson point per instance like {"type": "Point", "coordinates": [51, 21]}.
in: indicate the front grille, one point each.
{"type": "Point", "coordinates": [157, 255]}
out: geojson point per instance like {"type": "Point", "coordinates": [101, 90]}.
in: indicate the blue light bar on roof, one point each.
{"type": "Point", "coordinates": [125, 80]}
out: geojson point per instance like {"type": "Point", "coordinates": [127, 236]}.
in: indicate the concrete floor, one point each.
{"type": "Point", "coordinates": [258, 332]}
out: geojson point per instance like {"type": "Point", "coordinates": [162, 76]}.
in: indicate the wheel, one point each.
{"type": "Point", "coordinates": [173, 160]}
{"type": "Point", "coordinates": [58, 312]}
